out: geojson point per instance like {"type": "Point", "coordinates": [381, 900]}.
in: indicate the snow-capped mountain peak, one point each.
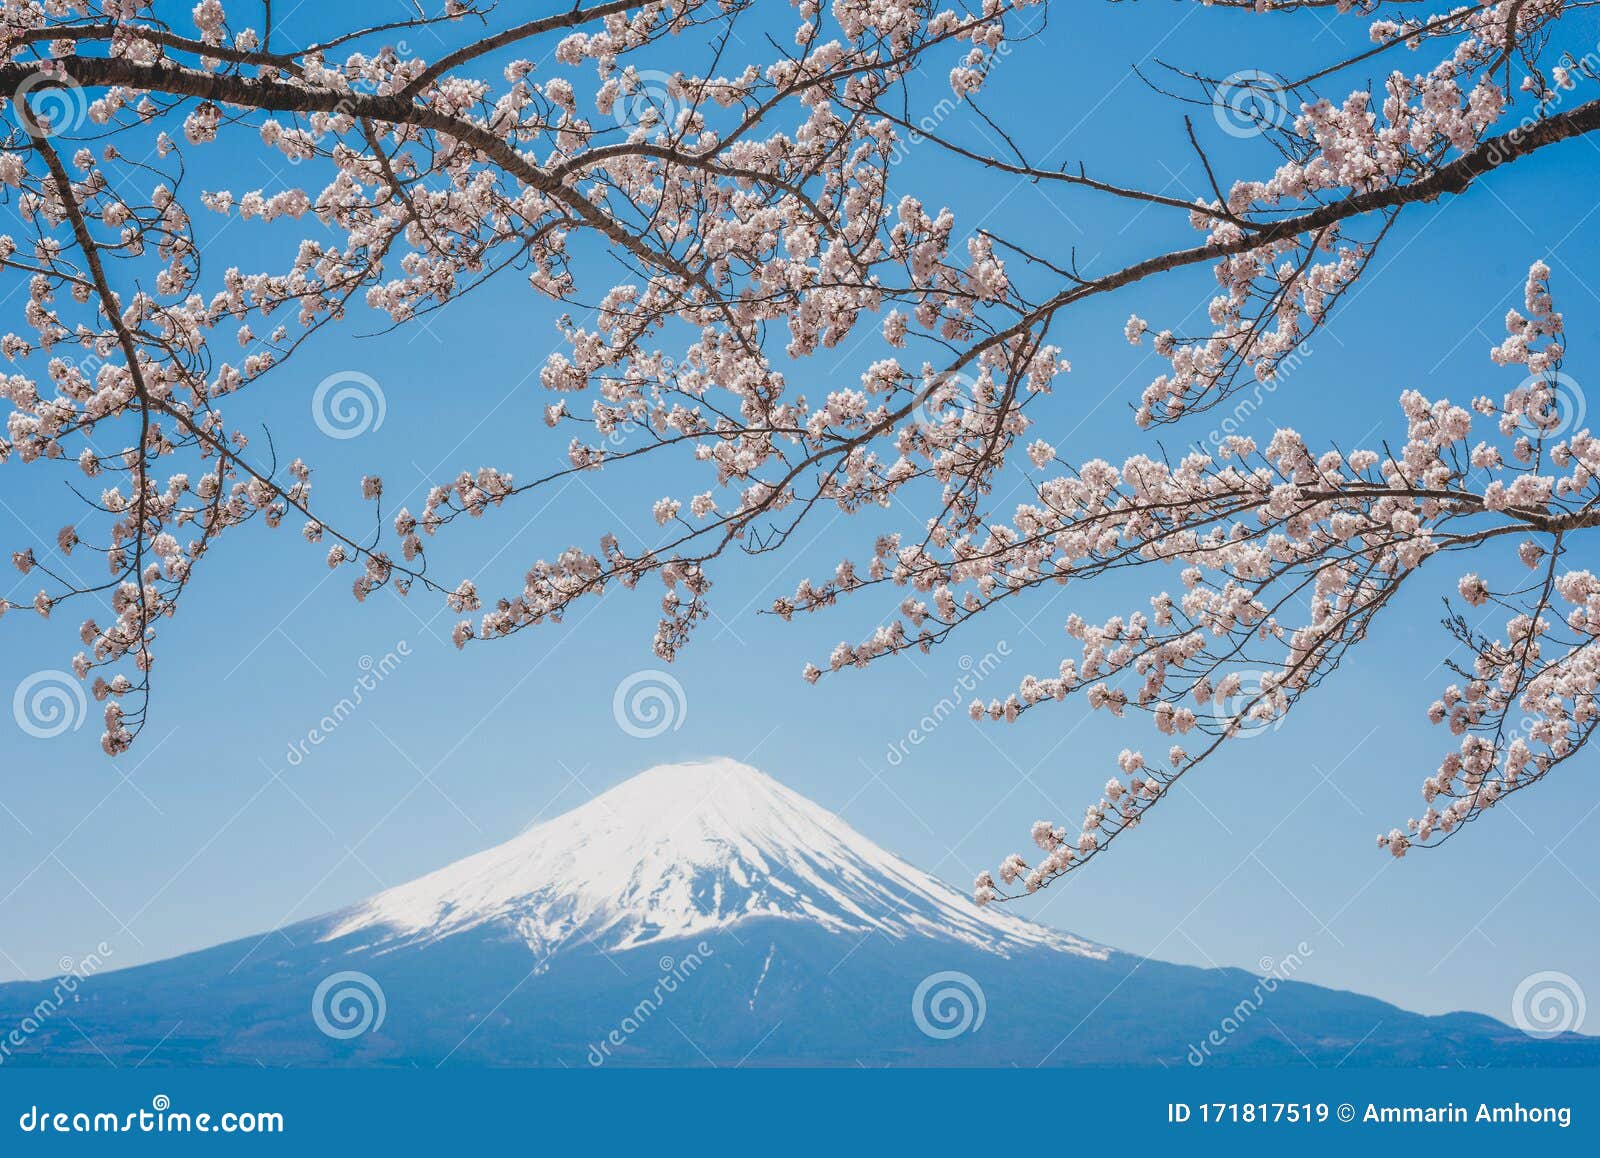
{"type": "Point", "coordinates": [827, 951]}
{"type": "Point", "coordinates": [681, 850]}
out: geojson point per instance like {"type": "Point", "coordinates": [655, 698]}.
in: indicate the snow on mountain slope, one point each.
{"type": "Point", "coordinates": [681, 850]}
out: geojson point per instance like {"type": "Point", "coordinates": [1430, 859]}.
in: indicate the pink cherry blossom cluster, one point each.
{"type": "Point", "coordinates": [1261, 534]}
{"type": "Point", "coordinates": [749, 205]}
{"type": "Point", "coordinates": [1273, 295]}
{"type": "Point", "coordinates": [426, 179]}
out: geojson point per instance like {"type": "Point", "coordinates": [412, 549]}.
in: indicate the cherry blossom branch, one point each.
{"type": "Point", "coordinates": [748, 204]}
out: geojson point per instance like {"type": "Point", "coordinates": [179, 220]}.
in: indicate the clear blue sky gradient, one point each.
{"type": "Point", "coordinates": [206, 831]}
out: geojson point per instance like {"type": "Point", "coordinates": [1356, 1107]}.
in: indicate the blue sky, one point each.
{"type": "Point", "coordinates": [207, 831]}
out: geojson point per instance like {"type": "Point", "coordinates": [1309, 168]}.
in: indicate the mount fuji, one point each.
{"type": "Point", "coordinates": [703, 914]}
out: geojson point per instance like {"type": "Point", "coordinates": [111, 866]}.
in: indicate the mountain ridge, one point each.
{"type": "Point", "coordinates": [704, 914]}
{"type": "Point", "coordinates": [686, 848]}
